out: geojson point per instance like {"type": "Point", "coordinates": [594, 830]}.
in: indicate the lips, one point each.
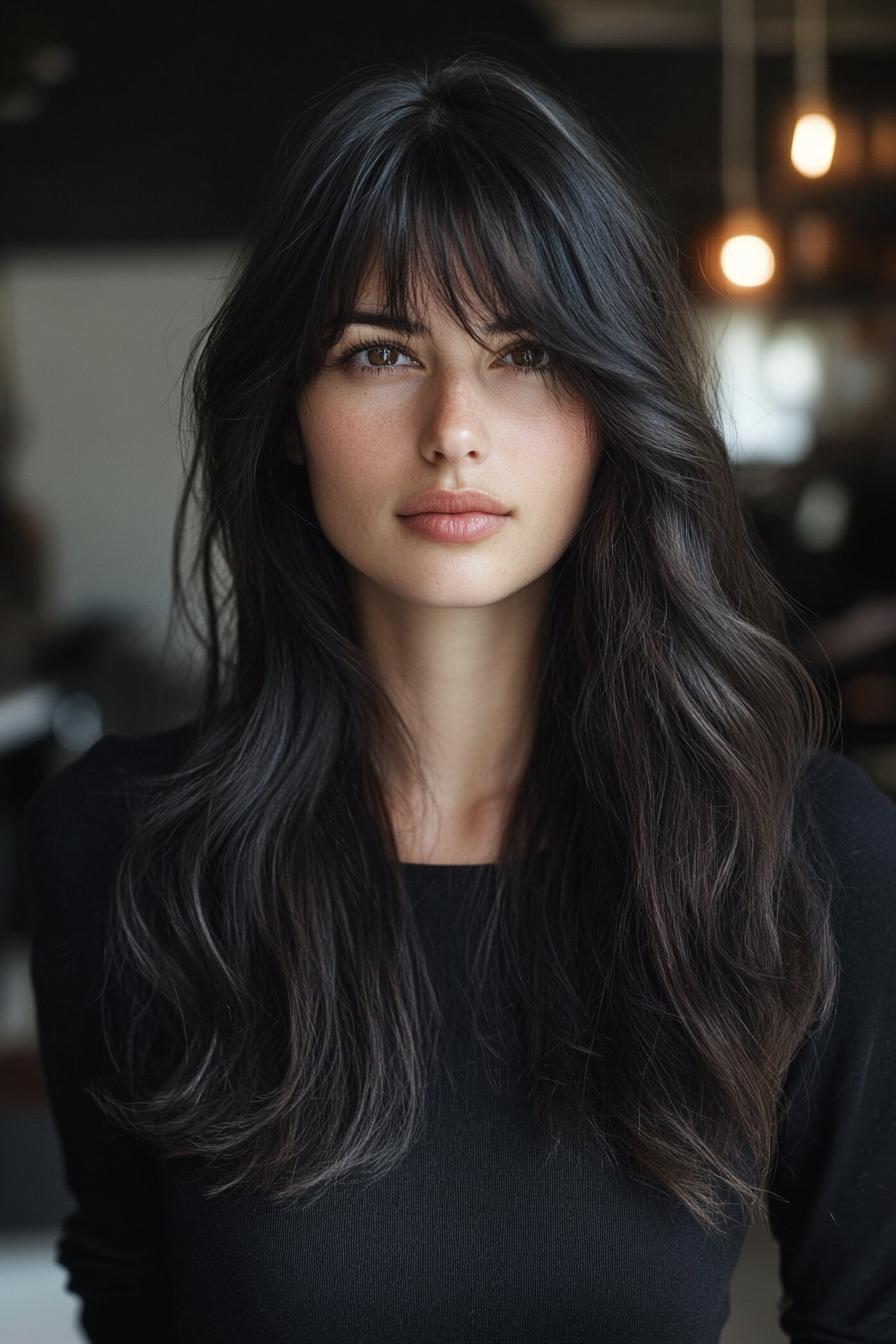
{"type": "Point", "coordinates": [453, 501]}
{"type": "Point", "coordinates": [455, 527]}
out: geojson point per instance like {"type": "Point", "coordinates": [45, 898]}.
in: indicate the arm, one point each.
{"type": "Point", "coordinates": [832, 1203]}
{"type": "Point", "coordinates": [111, 1242]}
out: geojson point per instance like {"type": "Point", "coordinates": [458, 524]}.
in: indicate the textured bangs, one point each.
{"type": "Point", "coordinates": [428, 226]}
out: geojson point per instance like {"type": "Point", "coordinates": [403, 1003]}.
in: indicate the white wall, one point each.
{"type": "Point", "coordinates": [95, 341]}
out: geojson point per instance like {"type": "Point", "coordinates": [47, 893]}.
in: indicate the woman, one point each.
{"type": "Point", "coordinates": [472, 971]}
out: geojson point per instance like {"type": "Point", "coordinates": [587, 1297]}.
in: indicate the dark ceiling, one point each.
{"type": "Point", "coordinates": [168, 126]}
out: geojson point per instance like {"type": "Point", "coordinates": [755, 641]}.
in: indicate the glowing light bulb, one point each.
{"type": "Point", "coordinates": [747, 260]}
{"type": "Point", "coordinates": [812, 147]}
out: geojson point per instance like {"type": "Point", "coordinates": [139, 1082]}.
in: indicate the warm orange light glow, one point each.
{"type": "Point", "coordinates": [747, 260]}
{"type": "Point", "coordinates": [812, 147]}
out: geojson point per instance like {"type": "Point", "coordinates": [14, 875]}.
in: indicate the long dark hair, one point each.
{"type": "Point", "coordinates": [661, 973]}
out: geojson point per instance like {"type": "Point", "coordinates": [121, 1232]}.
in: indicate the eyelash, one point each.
{"type": "Point", "coordinates": [391, 345]}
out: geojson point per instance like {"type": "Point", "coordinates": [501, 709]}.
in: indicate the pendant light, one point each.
{"type": "Point", "coordinates": [814, 132]}
{"type": "Point", "coordinates": [742, 254]}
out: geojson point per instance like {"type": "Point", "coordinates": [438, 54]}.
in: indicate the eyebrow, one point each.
{"type": "Point", "coordinates": [410, 327]}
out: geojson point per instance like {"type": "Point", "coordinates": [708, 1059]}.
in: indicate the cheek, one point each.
{"type": "Point", "coordinates": [344, 449]}
{"type": "Point", "coordinates": [561, 464]}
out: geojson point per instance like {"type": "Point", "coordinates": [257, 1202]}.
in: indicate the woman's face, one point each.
{"type": "Point", "coordinates": [435, 410]}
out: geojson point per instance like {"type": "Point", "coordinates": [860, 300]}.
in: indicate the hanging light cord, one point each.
{"type": "Point", "coordinates": [809, 45]}
{"type": "Point", "coordinates": [738, 33]}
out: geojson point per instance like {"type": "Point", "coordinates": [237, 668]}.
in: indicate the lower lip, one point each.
{"type": "Point", "coordinates": [455, 526]}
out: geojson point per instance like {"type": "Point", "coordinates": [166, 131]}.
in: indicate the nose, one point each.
{"type": "Point", "coordinates": [453, 424]}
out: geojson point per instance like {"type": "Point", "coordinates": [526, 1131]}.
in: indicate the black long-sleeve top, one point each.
{"type": "Point", "coordinates": [476, 1235]}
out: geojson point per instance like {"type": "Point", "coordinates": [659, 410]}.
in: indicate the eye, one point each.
{"type": "Point", "coordinates": [375, 348]}
{"type": "Point", "coordinates": [530, 364]}
{"type": "Point", "coordinates": [384, 356]}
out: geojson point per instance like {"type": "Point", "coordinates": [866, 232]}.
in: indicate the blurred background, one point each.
{"type": "Point", "coordinates": [136, 140]}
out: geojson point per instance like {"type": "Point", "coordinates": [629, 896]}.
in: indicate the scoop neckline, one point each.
{"type": "Point", "coordinates": [461, 867]}
{"type": "Point", "coordinates": [444, 867]}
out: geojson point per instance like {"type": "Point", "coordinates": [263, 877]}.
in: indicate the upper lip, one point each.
{"type": "Point", "coordinates": [453, 501]}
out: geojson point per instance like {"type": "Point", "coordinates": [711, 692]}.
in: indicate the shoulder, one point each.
{"type": "Point", "coordinates": [103, 772]}
{"type": "Point", "coordinates": [830, 1190]}
{"type": "Point", "coordinates": [856, 818]}
{"type": "Point", "coordinates": [106, 767]}
{"type": "Point", "coordinates": [855, 821]}
{"type": "Point", "coordinates": [76, 819]}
